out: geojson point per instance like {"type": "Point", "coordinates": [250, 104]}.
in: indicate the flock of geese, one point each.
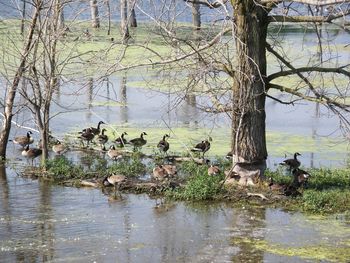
{"type": "Point", "coordinates": [161, 171]}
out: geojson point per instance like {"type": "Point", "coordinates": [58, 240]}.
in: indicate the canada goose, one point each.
{"type": "Point", "coordinates": [116, 180]}
{"type": "Point", "coordinates": [276, 187]}
{"type": "Point", "coordinates": [213, 170]}
{"type": "Point", "coordinates": [202, 147]}
{"type": "Point", "coordinates": [31, 153]}
{"type": "Point", "coordinates": [59, 148]}
{"type": "Point", "coordinates": [138, 142]}
{"type": "Point", "coordinates": [24, 140]}
{"type": "Point", "coordinates": [287, 190]}
{"type": "Point", "coordinates": [95, 131]}
{"type": "Point", "coordinates": [121, 141]}
{"type": "Point", "coordinates": [292, 163]}
{"type": "Point", "coordinates": [159, 173]}
{"type": "Point", "coordinates": [86, 135]}
{"type": "Point", "coordinates": [163, 145]}
{"type": "Point", "coordinates": [229, 155]}
{"type": "Point", "coordinates": [301, 177]}
{"type": "Point", "coordinates": [102, 138]}
{"type": "Point", "coordinates": [170, 169]}
{"type": "Point", "coordinates": [113, 153]}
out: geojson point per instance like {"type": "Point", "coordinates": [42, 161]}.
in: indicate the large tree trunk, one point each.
{"type": "Point", "coordinates": [94, 14]}
{"type": "Point", "coordinates": [248, 116]}
{"type": "Point", "coordinates": [11, 94]}
{"type": "Point", "coordinates": [124, 20]}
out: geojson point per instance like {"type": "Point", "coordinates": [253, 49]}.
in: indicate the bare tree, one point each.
{"type": "Point", "coordinates": [12, 89]}
{"type": "Point", "coordinates": [95, 19]}
{"type": "Point", "coordinates": [132, 14]}
{"type": "Point", "coordinates": [196, 16]}
{"type": "Point", "coordinates": [124, 20]}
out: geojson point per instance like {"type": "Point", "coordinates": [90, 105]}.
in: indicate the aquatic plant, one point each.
{"type": "Point", "coordinates": [128, 167]}
{"type": "Point", "coordinates": [61, 169]}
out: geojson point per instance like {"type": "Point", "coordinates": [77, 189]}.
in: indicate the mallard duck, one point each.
{"type": "Point", "coordinates": [159, 173]}
{"type": "Point", "coordinates": [102, 138]}
{"type": "Point", "coordinates": [116, 180]}
{"type": "Point", "coordinates": [121, 141]}
{"type": "Point", "coordinates": [163, 145]}
{"type": "Point", "coordinates": [138, 142]}
{"type": "Point", "coordinates": [113, 153]}
{"type": "Point", "coordinates": [24, 140]}
{"type": "Point", "coordinates": [86, 135]}
{"type": "Point", "coordinates": [31, 153]}
{"type": "Point", "coordinates": [202, 147]}
{"type": "Point", "coordinates": [292, 163]}
{"type": "Point", "coordinates": [59, 148]}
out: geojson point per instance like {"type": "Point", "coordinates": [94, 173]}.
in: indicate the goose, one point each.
{"type": "Point", "coordinates": [163, 145]}
{"type": "Point", "coordinates": [31, 153]}
{"type": "Point", "coordinates": [292, 163]}
{"type": "Point", "coordinates": [287, 190]}
{"type": "Point", "coordinates": [95, 131]}
{"type": "Point", "coordinates": [113, 153]}
{"type": "Point", "coordinates": [170, 169]}
{"type": "Point", "coordinates": [159, 173]}
{"type": "Point", "coordinates": [102, 138]}
{"type": "Point", "coordinates": [229, 155]}
{"type": "Point", "coordinates": [24, 140]}
{"type": "Point", "coordinates": [138, 142]}
{"type": "Point", "coordinates": [301, 177]}
{"type": "Point", "coordinates": [213, 170]}
{"type": "Point", "coordinates": [86, 135]}
{"type": "Point", "coordinates": [116, 180]}
{"type": "Point", "coordinates": [121, 141]}
{"type": "Point", "coordinates": [59, 148]}
{"type": "Point", "coordinates": [202, 147]}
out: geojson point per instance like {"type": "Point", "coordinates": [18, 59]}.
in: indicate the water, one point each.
{"type": "Point", "coordinates": [41, 222]}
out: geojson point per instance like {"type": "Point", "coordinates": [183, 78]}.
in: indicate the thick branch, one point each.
{"type": "Point", "coordinates": [307, 2]}
{"type": "Point", "coordinates": [284, 73]}
{"type": "Point", "coordinates": [305, 19]}
{"type": "Point", "coordinates": [214, 4]}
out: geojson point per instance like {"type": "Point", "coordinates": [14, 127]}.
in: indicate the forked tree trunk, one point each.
{"type": "Point", "coordinates": [95, 20]}
{"type": "Point", "coordinates": [248, 116]}
{"type": "Point", "coordinates": [132, 14]}
{"type": "Point", "coordinates": [11, 92]}
{"type": "Point", "coordinates": [124, 20]}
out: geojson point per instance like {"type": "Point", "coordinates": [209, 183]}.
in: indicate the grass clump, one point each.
{"type": "Point", "coordinates": [63, 169]}
{"type": "Point", "coordinates": [131, 167]}
{"type": "Point", "coordinates": [199, 185]}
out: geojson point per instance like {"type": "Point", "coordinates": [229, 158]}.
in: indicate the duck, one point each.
{"type": "Point", "coordinates": [301, 177]}
{"type": "Point", "coordinates": [170, 169]}
{"type": "Point", "coordinates": [202, 147]}
{"type": "Point", "coordinates": [163, 145]}
{"type": "Point", "coordinates": [292, 163]}
{"type": "Point", "coordinates": [86, 135]}
{"type": "Point", "coordinates": [102, 138]}
{"type": "Point", "coordinates": [138, 142]}
{"type": "Point", "coordinates": [24, 140]}
{"type": "Point", "coordinates": [121, 141]}
{"type": "Point", "coordinates": [59, 148]}
{"type": "Point", "coordinates": [213, 170]}
{"type": "Point", "coordinates": [116, 180]}
{"type": "Point", "coordinates": [31, 153]}
{"type": "Point", "coordinates": [159, 173]}
{"type": "Point", "coordinates": [113, 153]}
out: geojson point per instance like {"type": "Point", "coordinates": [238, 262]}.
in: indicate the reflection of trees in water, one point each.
{"type": "Point", "coordinates": [5, 206]}
{"type": "Point", "coordinates": [90, 86]}
{"type": "Point", "coordinates": [123, 100]}
{"type": "Point", "coordinates": [190, 111]}
{"type": "Point", "coordinates": [249, 223]}
{"type": "Point", "coordinates": [314, 132]}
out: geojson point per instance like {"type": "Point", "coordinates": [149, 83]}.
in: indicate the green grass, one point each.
{"type": "Point", "coordinates": [131, 167]}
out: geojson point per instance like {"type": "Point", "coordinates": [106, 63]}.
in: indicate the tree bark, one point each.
{"type": "Point", "coordinates": [124, 20]}
{"type": "Point", "coordinates": [196, 16]}
{"type": "Point", "coordinates": [6, 123]}
{"type": "Point", "coordinates": [248, 116]}
{"type": "Point", "coordinates": [132, 18]}
{"type": "Point", "coordinates": [94, 14]}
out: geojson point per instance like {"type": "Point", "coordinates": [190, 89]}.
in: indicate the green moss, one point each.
{"type": "Point", "coordinates": [320, 252]}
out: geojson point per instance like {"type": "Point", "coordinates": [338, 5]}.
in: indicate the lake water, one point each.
{"type": "Point", "coordinates": [41, 222]}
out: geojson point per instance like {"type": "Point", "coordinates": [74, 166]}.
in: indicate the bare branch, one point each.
{"type": "Point", "coordinates": [311, 19]}
{"type": "Point", "coordinates": [339, 70]}
{"type": "Point", "coordinates": [307, 2]}
{"type": "Point", "coordinates": [214, 4]}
